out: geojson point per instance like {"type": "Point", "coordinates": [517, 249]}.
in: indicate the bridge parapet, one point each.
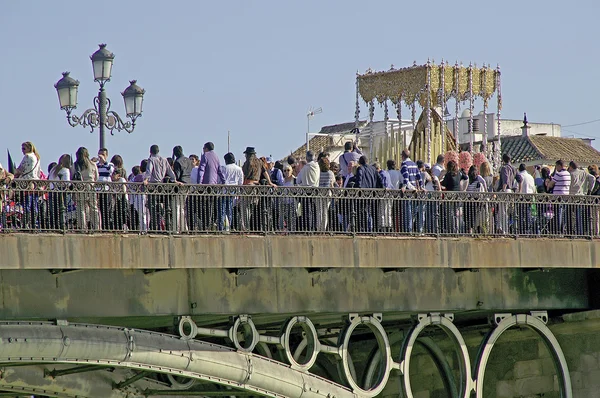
{"type": "Point", "coordinates": [133, 251]}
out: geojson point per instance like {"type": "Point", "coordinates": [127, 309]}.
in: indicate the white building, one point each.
{"type": "Point", "coordinates": [509, 127]}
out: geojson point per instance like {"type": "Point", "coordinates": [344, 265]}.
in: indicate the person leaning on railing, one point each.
{"type": "Point", "coordinates": [5, 179]}
{"type": "Point", "coordinates": [57, 199]}
{"type": "Point", "coordinates": [29, 170]}
{"type": "Point", "coordinates": [158, 205]}
{"type": "Point", "coordinates": [451, 209]}
{"type": "Point", "coordinates": [86, 200]}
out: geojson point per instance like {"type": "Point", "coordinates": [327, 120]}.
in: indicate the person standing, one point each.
{"type": "Point", "coordinates": [351, 154]}
{"type": "Point", "coordinates": [367, 177]}
{"type": "Point", "coordinates": [578, 214]}
{"type": "Point", "coordinates": [105, 197]}
{"type": "Point", "coordinates": [156, 170]}
{"type": "Point", "coordinates": [182, 167]}
{"type": "Point", "coordinates": [29, 169]}
{"type": "Point", "coordinates": [209, 173]}
{"type": "Point", "coordinates": [412, 210]}
{"type": "Point", "coordinates": [85, 170]}
{"type": "Point", "coordinates": [560, 185]}
{"type": "Point", "coordinates": [308, 177]}
{"type": "Point", "coordinates": [506, 184]}
{"type": "Point", "coordinates": [57, 200]}
{"type": "Point", "coordinates": [438, 167]}
{"type": "Point", "coordinates": [233, 175]}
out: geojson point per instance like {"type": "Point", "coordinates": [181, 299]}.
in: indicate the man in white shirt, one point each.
{"type": "Point", "coordinates": [308, 177]}
{"type": "Point", "coordinates": [579, 186]}
{"type": "Point", "coordinates": [526, 184]}
{"type": "Point", "coordinates": [233, 175]}
{"type": "Point", "coordinates": [438, 167]}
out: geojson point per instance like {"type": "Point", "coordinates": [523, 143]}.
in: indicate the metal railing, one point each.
{"type": "Point", "coordinates": [54, 206]}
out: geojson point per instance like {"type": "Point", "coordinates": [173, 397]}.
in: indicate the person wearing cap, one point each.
{"type": "Point", "coordinates": [254, 173]}
{"type": "Point", "coordinates": [253, 168]}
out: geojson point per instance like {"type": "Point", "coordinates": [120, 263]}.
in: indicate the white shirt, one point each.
{"type": "Point", "coordinates": [395, 178]}
{"type": "Point", "coordinates": [30, 167]}
{"type": "Point", "coordinates": [63, 175]}
{"type": "Point", "coordinates": [232, 173]}
{"type": "Point", "coordinates": [528, 183]}
{"type": "Point", "coordinates": [194, 175]}
{"type": "Point", "coordinates": [309, 175]}
{"type": "Point", "coordinates": [437, 170]}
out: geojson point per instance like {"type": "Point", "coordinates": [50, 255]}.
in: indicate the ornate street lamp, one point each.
{"type": "Point", "coordinates": [100, 116]}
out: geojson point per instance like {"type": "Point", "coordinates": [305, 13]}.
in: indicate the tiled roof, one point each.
{"type": "Point", "coordinates": [316, 143]}
{"type": "Point", "coordinates": [341, 128]}
{"type": "Point", "coordinates": [537, 147]}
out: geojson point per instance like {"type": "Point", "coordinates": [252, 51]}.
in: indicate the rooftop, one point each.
{"type": "Point", "coordinates": [538, 147]}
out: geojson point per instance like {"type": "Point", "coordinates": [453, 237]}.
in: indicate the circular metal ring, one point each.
{"type": "Point", "coordinates": [248, 325]}
{"type": "Point", "coordinates": [384, 345]}
{"type": "Point", "coordinates": [313, 346]}
{"type": "Point", "coordinates": [193, 328]}
{"type": "Point", "coordinates": [180, 386]}
{"type": "Point", "coordinates": [530, 321]}
{"type": "Point", "coordinates": [452, 331]}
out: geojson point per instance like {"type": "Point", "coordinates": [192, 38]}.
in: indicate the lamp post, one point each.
{"type": "Point", "coordinates": [100, 115]}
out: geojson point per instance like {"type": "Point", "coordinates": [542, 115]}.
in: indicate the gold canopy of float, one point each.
{"type": "Point", "coordinates": [431, 86]}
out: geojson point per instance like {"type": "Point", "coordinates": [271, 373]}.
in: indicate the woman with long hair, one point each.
{"type": "Point", "coordinates": [485, 172]}
{"type": "Point", "coordinates": [57, 199]}
{"type": "Point", "coordinates": [87, 202]}
{"type": "Point", "coordinates": [289, 211]}
{"type": "Point", "coordinates": [451, 182]}
{"type": "Point", "coordinates": [29, 169]}
{"type": "Point", "coordinates": [326, 180]}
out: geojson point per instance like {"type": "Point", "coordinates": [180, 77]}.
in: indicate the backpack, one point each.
{"type": "Point", "coordinates": [77, 175]}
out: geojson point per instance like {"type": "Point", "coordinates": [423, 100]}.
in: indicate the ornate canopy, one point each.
{"type": "Point", "coordinates": [431, 86]}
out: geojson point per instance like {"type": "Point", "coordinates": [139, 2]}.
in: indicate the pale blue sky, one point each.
{"type": "Point", "coordinates": [255, 67]}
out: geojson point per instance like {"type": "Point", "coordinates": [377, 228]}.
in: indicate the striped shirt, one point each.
{"type": "Point", "coordinates": [326, 179]}
{"type": "Point", "coordinates": [105, 171]}
{"type": "Point", "coordinates": [411, 174]}
{"type": "Point", "coordinates": [562, 182]}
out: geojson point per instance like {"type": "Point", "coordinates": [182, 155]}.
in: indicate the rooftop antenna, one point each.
{"type": "Point", "coordinates": [311, 113]}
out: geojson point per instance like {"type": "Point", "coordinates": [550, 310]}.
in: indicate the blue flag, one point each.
{"type": "Point", "coordinates": [11, 164]}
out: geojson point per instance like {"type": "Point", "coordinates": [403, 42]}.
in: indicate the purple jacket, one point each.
{"type": "Point", "coordinates": [209, 171]}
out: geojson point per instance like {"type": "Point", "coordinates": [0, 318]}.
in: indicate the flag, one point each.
{"type": "Point", "coordinates": [11, 164]}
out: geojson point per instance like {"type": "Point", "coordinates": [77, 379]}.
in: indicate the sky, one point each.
{"type": "Point", "coordinates": [255, 68]}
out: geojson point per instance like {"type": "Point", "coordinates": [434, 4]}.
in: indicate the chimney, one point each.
{"type": "Point", "coordinates": [525, 129]}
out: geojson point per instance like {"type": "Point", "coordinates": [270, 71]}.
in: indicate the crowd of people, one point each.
{"type": "Point", "coordinates": [182, 193]}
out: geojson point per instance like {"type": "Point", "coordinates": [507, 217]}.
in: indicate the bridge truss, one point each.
{"type": "Point", "coordinates": [294, 358]}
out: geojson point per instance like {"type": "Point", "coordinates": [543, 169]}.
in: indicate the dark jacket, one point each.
{"type": "Point", "coordinates": [183, 169]}
{"type": "Point", "coordinates": [368, 177]}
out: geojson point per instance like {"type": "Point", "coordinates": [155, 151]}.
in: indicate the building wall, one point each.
{"type": "Point", "coordinates": [508, 128]}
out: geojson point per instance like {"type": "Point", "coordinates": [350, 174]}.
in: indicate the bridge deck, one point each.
{"type": "Point", "coordinates": [133, 251]}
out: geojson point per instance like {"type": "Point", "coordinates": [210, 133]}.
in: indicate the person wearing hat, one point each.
{"type": "Point", "coordinates": [254, 172]}
{"type": "Point", "coordinates": [253, 168]}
